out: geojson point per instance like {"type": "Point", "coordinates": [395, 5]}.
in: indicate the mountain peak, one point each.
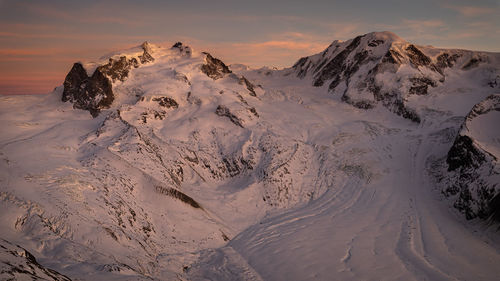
{"type": "Point", "coordinates": [146, 47]}
{"type": "Point", "coordinates": [183, 49]}
{"type": "Point", "coordinates": [352, 70]}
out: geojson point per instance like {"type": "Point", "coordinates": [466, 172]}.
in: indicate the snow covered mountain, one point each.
{"type": "Point", "coordinates": [381, 67]}
{"type": "Point", "coordinates": [165, 163]}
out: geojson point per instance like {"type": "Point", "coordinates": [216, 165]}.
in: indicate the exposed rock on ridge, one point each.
{"type": "Point", "coordinates": [474, 172]}
{"type": "Point", "coordinates": [214, 67]}
{"type": "Point", "coordinates": [96, 92]}
{"type": "Point", "coordinates": [224, 111]}
{"type": "Point", "coordinates": [16, 263]}
{"type": "Point", "coordinates": [87, 93]}
{"type": "Point", "coordinates": [183, 50]}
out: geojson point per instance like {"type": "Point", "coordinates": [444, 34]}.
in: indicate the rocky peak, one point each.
{"type": "Point", "coordinates": [146, 56]}
{"type": "Point", "coordinates": [183, 50]}
{"type": "Point", "coordinates": [416, 57]}
{"type": "Point", "coordinates": [146, 47]}
{"type": "Point", "coordinates": [95, 92]}
{"type": "Point", "coordinates": [89, 93]}
{"type": "Point", "coordinates": [118, 69]}
{"type": "Point", "coordinates": [214, 67]}
{"type": "Point", "coordinates": [249, 85]}
{"type": "Point", "coordinates": [350, 70]}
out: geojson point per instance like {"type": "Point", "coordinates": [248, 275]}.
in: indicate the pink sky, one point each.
{"type": "Point", "coordinates": [39, 41]}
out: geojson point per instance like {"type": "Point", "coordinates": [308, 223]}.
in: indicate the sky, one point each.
{"type": "Point", "coordinates": [40, 40]}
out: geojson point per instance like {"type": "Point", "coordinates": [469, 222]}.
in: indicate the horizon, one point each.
{"type": "Point", "coordinates": [41, 41]}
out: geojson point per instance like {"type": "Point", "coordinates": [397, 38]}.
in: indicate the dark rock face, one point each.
{"type": "Point", "coordinates": [300, 66]}
{"type": "Point", "coordinates": [495, 208]}
{"type": "Point", "coordinates": [446, 60]}
{"type": "Point", "coordinates": [95, 93]}
{"type": "Point", "coordinates": [473, 173]}
{"type": "Point", "coordinates": [253, 111]}
{"type": "Point", "coordinates": [183, 50]}
{"type": "Point", "coordinates": [118, 69]}
{"type": "Point", "coordinates": [393, 57]}
{"type": "Point", "coordinates": [89, 93]}
{"type": "Point", "coordinates": [393, 102]}
{"type": "Point", "coordinates": [494, 82]}
{"type": "Point", "coordinates": [167, 102]}
{"type": "Point", "coordinates": [420, 85]}
{"type": "Point", "coordinates": [214, 68]}
{"type": "Point", "coordinates": [417, 58]}
{"type": "Point", "coordinates": [358, 104]}
{"type": "Point", "coordinates": [22, 265]}
{"type": "Point", "coordinates": [224, 111]}
{"type": "Point", "coordinates": [489, 104]}
{"type": "Point", "coordinates": [375, 43]}
{"type": "Point", "coordinates": [182, 77]}
{"type": "Point", "coordinates": [146, 55]}
{"type": "Point", "coordinates": [464, 154]}
{"type": "Point", "coordinates": [249, 85]}
{"type": "Point", "coordinates": [174, 193]}
{"type": "Point", "coordinates": [474, 62]}
{"type": "Point", "coordinates": [334, 68]}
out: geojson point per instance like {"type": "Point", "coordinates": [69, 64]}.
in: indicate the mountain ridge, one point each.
{"type": "Point", "coordinates": [382, 52]}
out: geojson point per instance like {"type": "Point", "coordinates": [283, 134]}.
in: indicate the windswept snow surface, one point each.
{"type": "Point", "coordinates": [287, 183]}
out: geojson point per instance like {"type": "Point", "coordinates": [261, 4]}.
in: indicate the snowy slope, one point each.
{"type": "Point", "coordinates": [164, 163]}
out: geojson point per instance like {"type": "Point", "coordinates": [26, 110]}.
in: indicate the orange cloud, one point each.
{"type": "Point", "coordinates": [15, 85]}
{"type": "Point", "coordinates": [283, 45]}
{"type": "Point", "coordinates": [422, 26]}
{"type": "Point", "coordinates": [91, 15]}
{"type": "Point", "coordinates": [472, 11]}
{"type": "Point", "coordinates": [280, 52]}
{"type": "Point", "coordinates": [26, 52]}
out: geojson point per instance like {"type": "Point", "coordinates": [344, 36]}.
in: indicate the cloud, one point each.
{"type": "Point", "coordinates": [75, 37]}
{"type": "Point", "coordinates": [344, 30]}
{"type": "Point", "coordinates": [34, 83]}
{"type": "Point", "coordinates": [26, 52]}
{"type": "Point", "coordinates": [471, 11]}
{"type": "Point", "coordinates": [97, 14]}
{"type": "Point", "coordinates": [277, 45]}
{"type": "Point", "coordinates": [282, 50]}
{"type": "Point", "coordinates": [412, 29]}
{"type": "Point", "coordinates": [421, 26]}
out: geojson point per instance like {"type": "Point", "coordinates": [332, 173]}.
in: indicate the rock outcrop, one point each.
{"type": "Point", "coordinates": [249, 85]}
{"type": "Point", "coordinates": [183, 50]}
{"type": "Point", "coordinates": [16, 263]}
{"type": "Point", "coordinates": [95, 92]}
{"type": "Point", "coordinates": [88, 93]}
{"type": "Point", "coordinates": [225, 112]}
{"type": "Point", "coordinates": [166, 102]}
{"type": "Point", "coordinates": [214, 67]}
{"type": "Point", "coordinates": [474, 171]}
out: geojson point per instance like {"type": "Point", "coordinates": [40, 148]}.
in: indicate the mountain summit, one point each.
{"type": "Point", "coordinates": [380, 67]}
